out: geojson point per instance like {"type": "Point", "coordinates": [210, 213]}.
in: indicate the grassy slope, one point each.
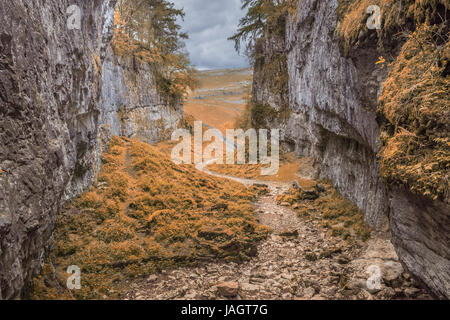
{"type": "Point", "coordinates": [336, 214]}
{"type": "Point", "coordinates": [146, 214]}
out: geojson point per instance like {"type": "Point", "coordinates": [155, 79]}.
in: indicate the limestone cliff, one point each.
{"type": "Point", "coordinates": [270, 95]}
{"type": "Point", "coordinates": [333, 101]}
{"type": "Point", "coordinates": [131, 104]}
{"type": "Point", "coordinates": [334, 106]}
{"type": "Point", "coordinates": [63, 94]}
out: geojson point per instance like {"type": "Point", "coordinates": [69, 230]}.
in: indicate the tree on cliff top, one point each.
{"type": "Point", "coordinates": [262, 16]}
{"type": "Point", "coordinates": [148, 30]}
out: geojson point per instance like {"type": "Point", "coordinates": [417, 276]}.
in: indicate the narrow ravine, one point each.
{"type": "Point", "coordinates": [94, 205]}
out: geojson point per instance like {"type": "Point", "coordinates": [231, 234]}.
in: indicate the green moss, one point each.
{"type": "Point", "coordinates": [80, 170]}
{"type": "Point", "coordinates": [271, 73]}
{"type": "Point", "coordinates": [271, 67]}
{"type": "Point", "coordinates": [166, 88]}
{"type": "Point", "coordinates": [262, 114]}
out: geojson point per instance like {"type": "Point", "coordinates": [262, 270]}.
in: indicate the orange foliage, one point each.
{"type": "Point", "coordinates": [395, 15]}
{"type": "Point", "coordinates": [415, 103]}
{"type": "Point", "coordinates": [171, 68]}
{"type": "Point", "coordinates": [145, 213]}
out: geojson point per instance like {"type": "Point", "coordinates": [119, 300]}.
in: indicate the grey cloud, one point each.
{"type": "Point", "coordinates": [209, 23]}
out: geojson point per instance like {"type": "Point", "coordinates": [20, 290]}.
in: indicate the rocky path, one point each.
{"type": "Point", "coordinates": [297, 261]}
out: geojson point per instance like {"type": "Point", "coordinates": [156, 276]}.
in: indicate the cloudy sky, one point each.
{"type": "Point", "coordinates": [209, 23]}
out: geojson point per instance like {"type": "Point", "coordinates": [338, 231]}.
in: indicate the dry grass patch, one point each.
{"type": "Point", "coordinates": [323, 203]}
{"type": "Point", "coordinates": [146, 214]}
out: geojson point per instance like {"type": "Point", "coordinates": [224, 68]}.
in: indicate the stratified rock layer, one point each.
{"type": "Point", "coordinates": [333, 120]}
{"type": "Point", "coordinates": [131, 104]}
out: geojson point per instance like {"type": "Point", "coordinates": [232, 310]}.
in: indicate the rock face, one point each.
{"type": "Point", "coordinates": [333, 118]}
{"type": "Point", "coordinates": [270, 65]}
{"type": "Point", "coordinates": [49, 118]}
{"type": "Point", "coordinates": [270, 87]}
{"type": "Point", "coordinates": [333, 102]}
{"type": "Point", "coordinates": [420, 230]}
{"type": "Point", "coordinates": [228, 289]}
{"type": "Point", "coordinates": [60, 98]}
{"type": "Point", "coordinates": [131, 104]}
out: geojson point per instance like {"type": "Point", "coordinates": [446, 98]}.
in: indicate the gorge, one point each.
{"type": "Point", "coordinates": [66, 94]}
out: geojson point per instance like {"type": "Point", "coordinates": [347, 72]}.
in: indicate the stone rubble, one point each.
{"type": "Point", "coordinates": [282, 270]}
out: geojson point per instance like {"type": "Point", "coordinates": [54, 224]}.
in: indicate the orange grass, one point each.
{"type": "Point", "coordinates": [395, 16]}
{"type": "Point", "coordinates": [146, 214]}
{"type": "Point", "coordinates": [415, 105]}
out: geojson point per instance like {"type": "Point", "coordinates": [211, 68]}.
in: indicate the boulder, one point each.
{"type": "Point", "coordinates": [228, 289]}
